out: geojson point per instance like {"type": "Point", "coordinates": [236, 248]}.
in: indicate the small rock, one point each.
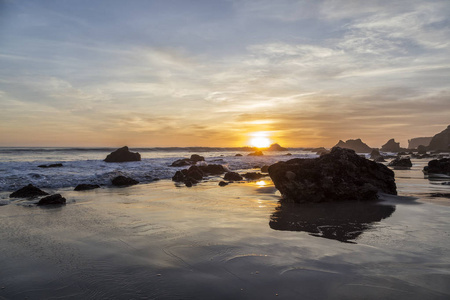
{"type": "Point", "coordinates": [223, 183]}
{"type": "Point", "coordinates": [124, 181]}
{"type": "Point", "coordinates": [233, 176]}
{"type": "Point", "coordinates": [28, 191]}
{"type": "Point", "coordinates": [256, 153]}
{"type": "Point", "coordinates": [52, 200]}
{"type": "Point", "coordinates": [196, 157]}
{"type": "Point", "coordinates": [238, 154]}
{"type": "Point", "coordinates": [401, 162]}
{"type": "Point", "coordinates": [253, 176]}
{"type": "Point", "coordinates": [50, 166]}
{"type": "Point", "coordinates": [85, 187]}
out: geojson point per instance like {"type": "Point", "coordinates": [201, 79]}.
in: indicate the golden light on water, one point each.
{"type": "Point", "coordinates": [261, 183]}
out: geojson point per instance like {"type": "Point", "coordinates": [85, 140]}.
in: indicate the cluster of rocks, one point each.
{"type": "Point", "coordinates": [340, 175]}
{"type": "Point", "coordinates": [195, 174]}
{"type": "Point", "coordinates": [438, 166]}
{"type": "Point", "coordinates": [30, 191]}
{"type": "Point", "coordinates": [188, 161]}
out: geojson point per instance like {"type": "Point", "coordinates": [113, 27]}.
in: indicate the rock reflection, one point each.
{"type": "Point", "coordinates": [343, 221]}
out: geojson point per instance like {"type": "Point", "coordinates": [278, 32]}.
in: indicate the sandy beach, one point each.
{"type": "Point", "coordinates": [159, 241]}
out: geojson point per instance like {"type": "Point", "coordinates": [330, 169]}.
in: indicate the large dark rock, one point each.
{"type": "Point", "coordinates": [213, 169]}
{"type": "Point", "coordinates": [276, 147]}
{"type": "Point", "coordinates": [28, 191]}
{"type": "Point", "coordinates": [441, 141]}
{"type": "Point", "coordinates": [51, 166]}
{"type": "Point", "coordinates": [416, 142]}
{"type": "Point", "coordinates": [232, 176]}
{"type": "Point", "coordinates": [55, 199]}
{"type": "Point", "coordinates": [85, 187]}
{"type": "Point", "coordinates": [401, 162]}
{"type": "Point", "coordinates": [357, 145]}
{"type": "Point", "coordinates": [438, 166]}
{"type": "Point", "coordinates": [253, 175]}
{"type": "Point", "coordinates": [124, 181]}
{"type": "Point", "coordinates": [339, 176]}
{"type": "Point", "coordinates": [196, 157]}
{"type": "Point", "coordinates": [123, 155]}
{"type": "Point", "coordinates": [391, 146]}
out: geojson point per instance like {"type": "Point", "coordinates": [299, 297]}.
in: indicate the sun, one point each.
{"type": "Point", "coordinates": [260, 142]}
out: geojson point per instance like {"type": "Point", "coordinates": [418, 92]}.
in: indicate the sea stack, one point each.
{"type": "Point", "coordinates": [341, 175]}
{"type": "Point", "coordinates": [391, 146]}
{"type": "Point", "coordinates": [357, 145]}
{"type": "Point", "coordinates": [123, 155]}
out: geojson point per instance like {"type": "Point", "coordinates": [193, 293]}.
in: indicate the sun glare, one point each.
{"type": "Point", "coordinates": [260, 142]}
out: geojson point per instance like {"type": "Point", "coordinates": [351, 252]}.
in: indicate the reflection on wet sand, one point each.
{"type": "Point", "coordinates": [343, 221]}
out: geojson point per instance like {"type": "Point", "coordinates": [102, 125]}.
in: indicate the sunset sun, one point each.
{"type": "Point", "coordinates": [260, 141]}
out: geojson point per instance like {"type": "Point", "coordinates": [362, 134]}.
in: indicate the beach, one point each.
{"type": "Point", "coordinates": [162, 241]}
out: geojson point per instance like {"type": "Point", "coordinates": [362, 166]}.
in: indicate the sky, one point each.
{"type": "Point", "coordinates": [218, 73]}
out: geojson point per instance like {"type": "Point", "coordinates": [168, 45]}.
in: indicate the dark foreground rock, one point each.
{"type": "Point", "coordinates": [28, 191]}
{"type": "Point", "coordinates": [123, 155]}
{"type": "Point", "coordinates": [124, 181]}
{"type": "Point", "coordinates": [51, 166]}
{"type": "Point", "coordinates": [85, 187]}
{"type": "Point", "coordinates": [341, 175]}
{"type": "Point", "coordinates": [232, 176]}
{"type": "Point", "coordinates": [55, 199]}
{"type": "Point", "coordinates": [438, 166]}
{"type": "Point", "coordinates": [401, 162]}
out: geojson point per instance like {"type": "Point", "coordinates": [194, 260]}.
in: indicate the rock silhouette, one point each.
{"type": "Point", "coordinates": [122, 155]}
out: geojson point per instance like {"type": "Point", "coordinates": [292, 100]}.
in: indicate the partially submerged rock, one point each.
{"type": "Point", "coordinates": [401, 162]}
{"type": "Point", "coordinates": [276, 147]}
{"type": "Point", "coordinates": [357, 145]}
{"type": "Point", "coordinates": [124, 181]}
{"type": "Point", "coordinates": [233, 176]}
{"type": "Point", "coordinates": [438, 166]}
{"type": "Point", "coordinates": [256, 153]}
{"type": "Point", "coordinates": [28, 191]}
{"type": "Point", "coordinates": [339, 176]}
{"type": "Point", "coordinates": [223, 183]}
{"type": "Point", "coordinates": [51, 166]}
{"type": "Point", "coordinates": [253, 176]}
{"type": "Point", "coordinates": [188, 161]}
{"type": "Point", "coordinates": [55, 199]}
{"type": "Point", "coordinates": [213, 169]}
{"type": "Point", "coordinates": [122, 155]}
{"type": "Point", "coordinates": [85, 187]}
{"type": "Point", "coordinates": [391, 146]}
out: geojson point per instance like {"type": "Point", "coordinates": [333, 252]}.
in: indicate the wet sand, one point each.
{"type": "Point", "coordinates": [157, 241]}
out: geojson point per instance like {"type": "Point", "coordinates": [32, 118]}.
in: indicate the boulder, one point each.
{"type": "Point", "coordinates": [233, 176]}
{"type": "Point", "coordinates": [123, 155]}
{"type": "Point", "coordinates": [438, 166]}
{"type": "Point", "coordinates": [379, 159]}
{"type": "Point", "coordinates": [256, 153]}
{"type": "Point", "coordinates": [253, 176]}
{"type": "Point", "coordinates": [213, 169]}
{"type": "Point", "coordinates": [238, 154]}
{"type": "Point", "coordinates": [421, 149]}
{"type": "Point", "coordinates": [391, 146]}
{"type": "Point", "coordinates": [265, 169]}
{"type": "Point", "coordinates": [85, 187]}
{"type": "Point", "coordinates": [440, 141]}
{"type": "Point", "coordinates": [276, 147]}
{"type": "Point", "coordinates": [28, 191]}
{"type": "Point", "coordinates": [196, 158]}
{"type": "Point", "coordinates": [339, 176]}
{"type": "Point", "coordinates": [182, 162]}
{"type": "Point", "coordinates": [357, 145]}
{"type": "Point", "coordinates": [55, 199]}
{"type": "Point", "coordinates": [401, 162]}
{"type": "Point", "coordinates": [223, 183]}
{"type": "Point", "coordinates": [124, 181]}
{"type": "Point", "coordinates": [50, 166]}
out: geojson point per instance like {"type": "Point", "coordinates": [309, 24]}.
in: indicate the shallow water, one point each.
{"type": "Point", "coordinates": [159, 241]}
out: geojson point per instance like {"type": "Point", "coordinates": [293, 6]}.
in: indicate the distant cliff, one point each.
{"type": "Point", "coordinates": [416, 142]}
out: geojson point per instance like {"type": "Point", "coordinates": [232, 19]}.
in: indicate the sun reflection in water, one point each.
{"type": "Point", "coordinates": [261, 183]}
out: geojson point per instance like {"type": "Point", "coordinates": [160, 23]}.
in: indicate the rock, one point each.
{"type": "Point", "coordinates": [213, 169]}
{"type": "Point", "coordinates": [288, 154]}
{"type": "Point", "coordinates": [196, 158]}
{"type": "Point", "coordinates": [276, 147]}
{"type": "Point", "coordinates": [339, 176]}
{"type": "Point", "coordinates": [391, 146]}
{"type": "Point", "coordinates": [182, 162]}
{"type": "Point", "coordinates": [256, 153]}
{"type": "Point", "coordinates": [374, 154]}
{"type": "Point", "coordinates": [421, 149]}
{"type": "Point", "coordinates": [401, 162]}
{"type": "Point", "coordinates": [265, 169]}
{"type": "Point", "coordinates": [416, 142]}
{"type": "Point", "coordinates": [178, 177]}
{"type": "Point", "coordinates": [28, 191]}
{"type": "Point", "coordinates": [124, 181]}
{"type": "Point", "coordinates": [238, 154]}
{"type": "Point", "coordinates": [379, 159]}
{"type": "Point", "coordinates": [195, 173]}
{"type": "Point", "coordinates": [253, 176]}
{"type": "Point", "coordinates": [322, 151]}
{"type": "Point", "coordinates": [85, 187]}
{"type": "Point", "coordinates": [50, 166]}
{"type": "Point", "coordinates": [223, 183]}
{"type": "Point", "coordinates": [357, 145]}
{"type": "Point", "coordinates": [233, 176]}
{"type": "Point", "coordinates": [440, 141]}
{"type": "Point", "coordinates": [438, 166]}
{"type": "Point", "coordinates": [55, 199]}
{"type": "Point", "coordinates": [122, 155]}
